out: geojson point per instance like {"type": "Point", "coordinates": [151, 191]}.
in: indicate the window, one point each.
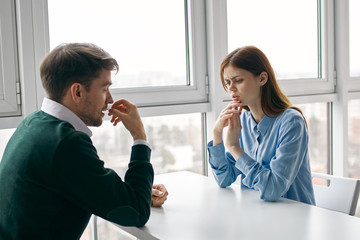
{"type": "Point", "coordinates": [281, 36]}
{"type": "Point", "coordinates": [354, 23]}
{"type": "Point", "coordinates": [295, 45]}
{"type": "Point", "coordinates": [5, 135]}
{"type": "Point", "coordinates": [141, 40]}
{"type": "Point", "coordinates": [155, 48]}
{"type": "Point", "coordinates": [9, 85]}
{"type": "Point", "coordinates": [175, 140]}
{"type": "Point", "coordinates": [353, 162]}
{"type": "Point", "coordinates": [317, 118]}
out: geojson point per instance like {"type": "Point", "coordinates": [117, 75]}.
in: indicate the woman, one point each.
{"type": "Point", "coordinates": [268, 140]}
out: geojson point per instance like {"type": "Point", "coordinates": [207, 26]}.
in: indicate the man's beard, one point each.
{"type": "Point", "coordinates": [91, 120]}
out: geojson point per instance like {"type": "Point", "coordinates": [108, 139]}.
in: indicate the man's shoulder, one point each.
{"type": "Point", "coordinates": [45, 124]}
{"type": "Point", "coordinates": [45, 120]}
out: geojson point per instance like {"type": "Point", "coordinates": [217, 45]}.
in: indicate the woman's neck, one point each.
{"type": "Point", "coordinates": [257, 112]}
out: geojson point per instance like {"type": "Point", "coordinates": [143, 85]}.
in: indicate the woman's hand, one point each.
{"type": "Point", "coordinates": [223, 120]}
{"type": "Point", "coordinates": [233, 135]}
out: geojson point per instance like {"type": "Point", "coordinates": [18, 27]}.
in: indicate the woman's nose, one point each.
{"type": "Point", "coordinates": [232, 87]}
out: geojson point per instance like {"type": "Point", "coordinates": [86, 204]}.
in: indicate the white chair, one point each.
{"type": "Point", "coordinates": [340, 194]}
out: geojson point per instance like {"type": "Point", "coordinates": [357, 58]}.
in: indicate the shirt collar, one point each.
{"type": "Point", "coordinates": [263, 125]}
{"type": "Point", "coordinates": [61, 112]}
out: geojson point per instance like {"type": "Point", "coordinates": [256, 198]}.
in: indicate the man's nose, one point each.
{"type": "Point", "coordinates": [109, 98]}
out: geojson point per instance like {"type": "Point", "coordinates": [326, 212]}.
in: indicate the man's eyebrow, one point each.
{"type": "Point", "coordinates": [107, 83]}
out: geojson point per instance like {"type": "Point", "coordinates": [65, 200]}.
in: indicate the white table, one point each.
{"type": "Point", "coordinates": [197, 208]}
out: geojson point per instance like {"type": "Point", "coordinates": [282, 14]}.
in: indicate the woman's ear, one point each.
{"type": "Point", "coordinates": [76, 92]}
{"type": "Point", "coordinates": [263, 78]}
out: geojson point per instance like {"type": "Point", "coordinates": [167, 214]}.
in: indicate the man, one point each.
{"type": "Point", "coordinates": [51, 178]}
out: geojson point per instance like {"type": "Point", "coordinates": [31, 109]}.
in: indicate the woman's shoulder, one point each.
{"type": "Point", "coordinates": [291, 118]}
{"type": "Point", "coordinates": [291, 113]}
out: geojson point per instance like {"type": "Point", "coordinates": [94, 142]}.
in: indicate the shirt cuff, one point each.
{"type": "Point", "coordinates": [141, 142]}
{"type": "Point", "coordinates": [217, 150]}
{"type": "Point", "coordinates": [216, 155]}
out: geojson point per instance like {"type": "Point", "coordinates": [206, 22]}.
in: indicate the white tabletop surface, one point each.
{"type": "Point", "coordinates": [197, 208]}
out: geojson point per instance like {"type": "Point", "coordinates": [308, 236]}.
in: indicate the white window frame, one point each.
{"type": "Point", "coordinates": [167, 95]}
{"type": "Point", "coordinates": [326, 84]}
{"type": "Point", "coordinates": [33, 44]}
{"type": "Point", "coordinates": [31, 47]}
{"type": "Point", "coordinates": [354, 82]}
{"type": "Point", "coordinates": [10, 87]}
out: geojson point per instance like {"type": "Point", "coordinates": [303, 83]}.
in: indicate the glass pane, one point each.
{"type": "Point", "coordinates": [316, 115]}
{"type": "Point", "coordinates": [175, 141]}
{"type": "Point", "coordinates": [147, 41]}
{"type": "Point", "coordinates": [353, 167]}
{"type": "Point", "coordinates": [5, 135]}
{"type": "Point", "coordinates": [287, 33]}
{"type": "Point", "coordinates": [354, 6]}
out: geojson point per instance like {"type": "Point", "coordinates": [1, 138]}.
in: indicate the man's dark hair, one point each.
{"type": "Point", "coordinates": [73, 63]}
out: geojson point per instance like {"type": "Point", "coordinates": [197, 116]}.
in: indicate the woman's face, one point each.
{"type": "Point", "coordinates": [243, 86]}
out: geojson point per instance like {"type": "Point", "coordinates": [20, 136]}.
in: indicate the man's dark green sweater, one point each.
{"type": "Point", "coordinates": [52, 180]}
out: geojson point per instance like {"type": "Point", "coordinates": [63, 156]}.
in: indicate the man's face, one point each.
{"type": "Point", "coordinates": [96, 100]}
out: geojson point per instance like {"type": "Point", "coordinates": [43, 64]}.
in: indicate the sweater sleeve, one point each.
{"type": "Point", "coordinates": [80, 177]}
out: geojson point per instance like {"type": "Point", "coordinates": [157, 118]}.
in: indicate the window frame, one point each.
{"type": "Point", "coordinates": [33, 44]}
{"type": "Point", "coordinates": [354, 82]}
{"type": "Point", "coordinates": [312, 86]}
{"type": "Point", "coordinates": [186, 94]}
{"type": "Point", "coordinates": [327, 83]}
{"type": "Point", "coordinates": [303, 87]}
{"type": "Point", "coordinates": [9, 98]}
{"type": "Point", "coordinates": [31, 47]}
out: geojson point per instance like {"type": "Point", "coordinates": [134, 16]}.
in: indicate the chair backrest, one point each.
{"type": "Point", "coordinates": [341, 194]}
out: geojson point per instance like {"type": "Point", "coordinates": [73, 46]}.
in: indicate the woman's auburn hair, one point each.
{"type": "Point", "coordinates": [250, 58]}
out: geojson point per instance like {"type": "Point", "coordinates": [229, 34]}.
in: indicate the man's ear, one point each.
{"type": "Point", "coordinates": [76, 92]}
{"type": "Point", "coordinates": [263, 78]}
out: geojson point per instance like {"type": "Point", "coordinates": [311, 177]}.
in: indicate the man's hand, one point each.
{"type": "Point", "coordinates": [159, 195]}
{"type": "Point", "coordinates": [127, 113]}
